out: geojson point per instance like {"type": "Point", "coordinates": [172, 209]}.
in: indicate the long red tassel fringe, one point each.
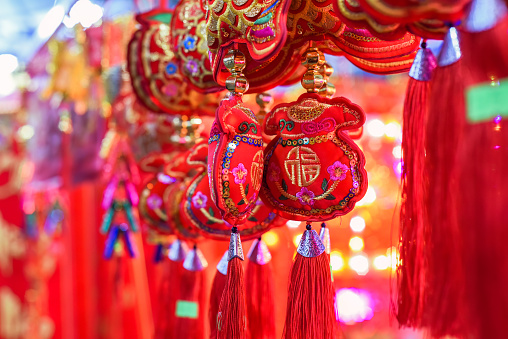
{"type": "Point", "coordinates": [232, 317]}
{"type": "Point", "coordinates": [483, 188]}
{"type": "Point", "coordinates": [310, 309]}
{"type": "Point", "coordinates": [443, 308]}
{"type": "Point", "coordinates": [192, 290]}
{"type": "Point", "coordinates": [482, 217]}
{"type": "Point", "coordinates": [218, 285]}
{"type": "Point", "coordinates": [168, 293]}
{"type": "Point", "coordinates": [260, 301]}
{"type": "Point", "coordinates": [411, 271]}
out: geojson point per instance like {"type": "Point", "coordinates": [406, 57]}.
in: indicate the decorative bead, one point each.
{"type": "Point", "coordinates": [313, 58]}
{"type": "Point", "coordinates": [234, 61]}
{"type": "Point", "coordinates": [236, 83]}
{"type": "Point", "coordinates": [312, 80]}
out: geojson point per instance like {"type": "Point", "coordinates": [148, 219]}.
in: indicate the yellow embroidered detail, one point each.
{"type": "Point", "coordinates": [256, 170]}
{"type": "Point", "coordinates": [302, 166]}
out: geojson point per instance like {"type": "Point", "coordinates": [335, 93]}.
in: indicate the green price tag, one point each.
{"type": "Point", "coordinates": [486, 101]}
{"type": "Point", "coordinates": [186, 309]}
{"type": "Point", "coordinates": [162, 17]}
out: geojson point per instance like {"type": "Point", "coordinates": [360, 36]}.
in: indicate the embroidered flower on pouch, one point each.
{"type": "Point", "coordinates": [240, 174]}
{"type": "Point", "coordinates": [171, 68]}
{"type": "Point", "coordinates": [305, 196]}
{"type": "Point", "coordinates": [337, 171]}
{"type": "Point", "coordinates": [192, 67]}
{"type": "Point", "coordinates": [189, 43]}
{"type": "Point", "coordinates": [199, 200]}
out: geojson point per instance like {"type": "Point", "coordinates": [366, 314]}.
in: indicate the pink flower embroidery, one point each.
{"type": "Point", "coordinates": [199, 200]}
{"type": "Point", "coordinates": [305, 196]}
{"type": "Point", "coordinates": [337, 171]}
{"type": "Point", "coordinates": [240, 173]}
{"type": "Point", "coordinates": [154, 201]}
{"type": "Point", "coordinates": [273, 172]}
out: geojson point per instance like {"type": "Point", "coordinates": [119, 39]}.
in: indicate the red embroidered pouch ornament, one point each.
{"type": "Point", "coordinates": [259, 31]}
{"type": "Point", "coordinates": [259, 25]}
{"type": "Point", "coordinates": [313, 170]}
{"type": "Point", "coordinates": [235, 153]}
{"type": "Point", "coordinates": [154, 69]}
{"type": "Point", "coordinates": [358, 45]}
{"type": "Point", "coordinates": [236, 160]}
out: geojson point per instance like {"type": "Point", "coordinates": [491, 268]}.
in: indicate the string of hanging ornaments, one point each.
{"type": "Point", "coordinates": [252, 171]}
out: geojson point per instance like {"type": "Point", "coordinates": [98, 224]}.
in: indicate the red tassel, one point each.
{"type": "Point", "coordinates": [231, 322]}
{"type": "Point", "coordinates": [482, 217]}
{"type": "Point", "coordinates": [483, 164]}
{"type": "Point", "coordinates": [411, 271]}
{"type": "Point", "coordinates": [260, 292]}
{"type": "Point", "coordinates": [191, 306]}
{"type": "Point", "coordinates": [443, 307]}
{"type": "Point", "coordinates": [232, 317]}
{"type": "Point", "coordinates": [310, 309]}
{"type": "Point", "coordinates": [169, 291]}
{"type": "Point", "coordinates": [218, 285]}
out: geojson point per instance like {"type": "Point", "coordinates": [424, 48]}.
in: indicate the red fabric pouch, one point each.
{"type": "Point", "coordinates": [235, 160]}
{"type": "Point", "coordinates": [313, 171]}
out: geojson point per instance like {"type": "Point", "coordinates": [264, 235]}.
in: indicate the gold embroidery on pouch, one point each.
{"type": "Point", "coordinates": [302, 166]}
